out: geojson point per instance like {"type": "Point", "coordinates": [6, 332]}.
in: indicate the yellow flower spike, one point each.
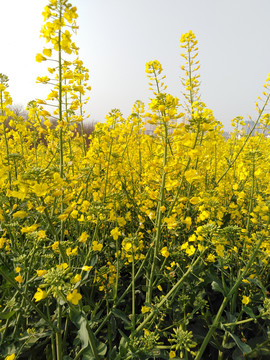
{"type": "Point", "coordinates": [74, 297]}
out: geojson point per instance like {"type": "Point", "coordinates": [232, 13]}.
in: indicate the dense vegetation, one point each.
{"type": "Point", "coordinates": [123, 245]}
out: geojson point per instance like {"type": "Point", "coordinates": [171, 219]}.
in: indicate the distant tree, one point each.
{"type": "Point", "coordinates": [19, 110]}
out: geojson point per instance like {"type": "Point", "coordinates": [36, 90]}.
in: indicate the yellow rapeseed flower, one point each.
{"type": "Point", "coordinates": [20, 214]}
{"type": "Point", "coordinates": [2, 242]}
{"type": "Point", "coordinates": [76, 279]}
{"type": "Point", "coordinates": [96, 246]}
{"type": "Point", "coordinates": [19, 279]}
{"type": "Point", "coordinates": [62, 266]}
{"type": "Point", "coordinates": [41, 272]}
{"type": "Point", "coordinates": [83, 237]}
{"type": "Point", "coordinates": [190, 250]}
{"type": "Point", "coordinates": [40, 58]}
{"type": "Point", "coordinates": [29, 229]}
{"type": "Point", "coordinates": [55, 245]}
{"type": "Point", "coordinates": [245, 300]}
{"type": "Point", "coordinates": [70, 251]}
{"type": "Point", "coordinates": [115, 233]}
{"type": "Point", "coordinates": [87, 268]}
{"type": "Point", "coordinates": [47, 52]}
{"type": "Point", "coordinates": [164, 252]}
{"type": "Point", "coordinates": [74, 297]}
{"type": "Point", "coordinates": [220, 250]}
{"type": "Point", "coordinates": [40, 295]}
{"type": "Point", "coordinates": [211, 258]}
{"type": "Point", "coordinates": [10, 357]}
{"type": "Point", "coordinates": [145, 309]}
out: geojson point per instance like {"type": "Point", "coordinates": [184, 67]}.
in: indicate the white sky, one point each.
{"type": "Point", "coordinates": [117, 37]}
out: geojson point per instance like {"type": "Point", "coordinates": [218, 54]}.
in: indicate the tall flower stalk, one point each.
{"type": "Point", "coordinates": [164, 115]}
{"type": "Point", "coordinates": [5, 100]}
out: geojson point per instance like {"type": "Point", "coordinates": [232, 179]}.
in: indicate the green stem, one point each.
{"type": "Point", "coordinates": [240, 322]}
{"type": "Point", "coordinates": [133, 316]}
{"type": "Point", "coordinates": [61, 167]}
{"type": "Point", "coordinates": [159, 218]}
{"type": "Point", "coordinates": [117, 271]}
{"type": "Point", "coordinates": [245, 142]}
{"type": "Point", "coordinates": [216, 321]}
{"type": "Point", "coordinates": [61, 249]}
{"type": "Point", "coordinates": [82, 129]}
{"type": "Point", "coordinates": [30, 302]}
{"type": "Point", "coordinates": [109, 328]}
{"type": "Point", "coordinates": [251, 196]}
{"type": "Point", "coordinates": [58, 335]}
{"type": "Point", "coordinates": [169, 294]}
{"type": "Point", "coordinates": [6, 141]}
{"type": "Point", "coordinates": [122, 296]}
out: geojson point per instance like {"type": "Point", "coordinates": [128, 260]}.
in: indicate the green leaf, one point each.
{"type": "Point", "coordinates": [231, 318]}
{"type": "Point", "coordinates": [6, 315]}
{"type": "Point", "coordinates": [249, 311]}
{"type": "Point", "coordinates": [88, 353]}
{"type": "Point", "coordinates": [121, 315]}
{"type": "Point", "coordinates": [237, 355]}
{"type": "Point", "coordinates": [86, 337]}
{"type": "Point", "coordinates": [217, 287]}
{"type": "Point", "coordinates": [102, 349]}
{"type": "Point", "coordinates": [245, 348]}
{"type": "Point", "coordinates": [80, 322]}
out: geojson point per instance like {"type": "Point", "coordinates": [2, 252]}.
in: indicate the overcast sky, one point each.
{"type": "Point", "coordinates": [117, 37]}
